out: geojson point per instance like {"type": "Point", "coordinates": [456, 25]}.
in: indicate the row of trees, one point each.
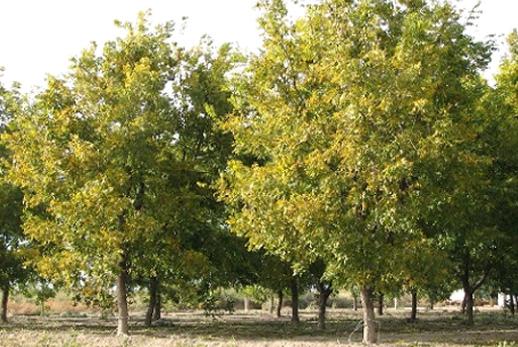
{"type": "Point", "coordinates": [360, 148]}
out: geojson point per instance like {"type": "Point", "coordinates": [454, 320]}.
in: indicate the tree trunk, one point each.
{"type": "Point", "coordinates": [157, 312]}
{"type": "Point", "coordinates": [122, 300]}
{"type": "Point", "coordinates": [468, 295]}
{"type": "Point", "coordinates": [246, 304]}
{"type": "Point", "coordinates": [380, 305]}
{"type": "Point", "coordinates": [432, 304]}
{"type": "Point", "coordinates": [5, 299]}
{"type": "Point", "coordinates": [511, 304]}
{"type": "Point", "coordinates": [294, 301]}
{"type": "Point", "coordinates": [279, 303]}
{"type": "Point", "coordinates": [369, 323]}
{"type": "Point", "coordinates": [413, 314]}
{"type": "Point", "coordinates": [395, 304]}
{"type": "Point", "coordinates": [152, 300]}
{"type": "Point", "coordinates": [272, 304]}
{"type": "Point", "coordinates": [323, 296]}
{"type": "Point", "coordinates": [470, 288]}
{"type": "Point", "coordinates": [355, 302]}
{"type": "Point", "coordinates": [463, 305]}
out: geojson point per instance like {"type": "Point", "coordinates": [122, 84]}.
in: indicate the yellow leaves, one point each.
{"type": "Point", "coordinates": [41, 230]}
{"type": "Point", "coordinates": [97, 154]}
{"type": "Point", "coordinates": [60, 266]}
{"type": "Point", "coordinates": [315, 163]}
{"type": "Point", "coordinates": [46, 267]}
{"type": "Point", "coordinates": [375, 56]}
{"type": "Point", "coordinates": [138, 224]}
{"type": "Point", "coordinates": [420, 105]}
{"type": "Point", "coordinates": [81, 153]}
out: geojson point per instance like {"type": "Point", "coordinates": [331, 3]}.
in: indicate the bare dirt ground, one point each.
{"type": "Point", "coordinates": [441, 327]}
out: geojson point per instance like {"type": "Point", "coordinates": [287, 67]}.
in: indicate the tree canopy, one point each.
{"type": "Point", "coordinates": [363, 118]}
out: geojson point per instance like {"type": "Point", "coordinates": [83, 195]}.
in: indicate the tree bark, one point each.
{"type": "Point", "coordinates": [468, 295]}
{"type": "Point", "coordinates": [5, 299]}
{"type": "Point", "coordinates": [324, 292]}
{"type": "Point", "coordinates": [432, 304]}
{"type": "Point", "coordinates": [122, 277]}
{"type": "Point", "coordinates": [355, 302]}
{"type": "Point", "coordinates": [470, 287]}
{"type": "Point", "coordinates": [380, 305]}
{"type": "Point", "coordinates": [294, 301]}
{"type": "Point", "coordinates": [279, 303]}
{"type": "Point", "coordinates": [157, 312]}
{"type": "Point", "coordinates": [246, 303]}
{"type": "Point", "coordinates": [152, 301]}
{"type": "Point", "coordinates": [272, 304]}
{"type": "Point", "coordinates": [122, 300]}
{"type": "Point", "coordinates": [395, 304]}
{"type": "Point", "coordinates": [369, 323]}
{"type": "Point", "coordinates": [511, 304]}
{"type": "Point", "coordinates": [413, 314]}
{"type": "Point", "coordinates": [463, 305]}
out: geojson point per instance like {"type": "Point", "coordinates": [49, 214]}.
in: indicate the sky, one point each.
{"type": "Point", "coordinates": [39, 37]}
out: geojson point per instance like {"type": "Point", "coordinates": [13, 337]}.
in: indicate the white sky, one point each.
{"type": "Point", "coordinates": [38, 37]}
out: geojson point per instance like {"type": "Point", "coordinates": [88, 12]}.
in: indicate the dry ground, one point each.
{"type": "Point", "coordinates": [438, 328]}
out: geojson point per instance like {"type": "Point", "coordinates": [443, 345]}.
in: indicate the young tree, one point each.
{"type": "Point", "coordinates": [324, 287]}
{"type": "Point", "coordinates": [428, 272]}
{"type": "Point", "coordinates": [275, 274]}
{"type": "Point", "coordinates": [353, 112]}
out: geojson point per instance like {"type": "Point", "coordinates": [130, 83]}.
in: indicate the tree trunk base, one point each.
{"type": "Point", "coordinates": [469, 307]}
{"type": "Point", "coordinates": [323, 297]}
{"type": "Point", "coordinates": [413, 314]}
{"type": "Point", "coordinates": [279, 303]}
{"type": "Point", "coordinates": [294, 301]}
{"type": "Point", "coordinates": [152, 301]}
{"type": "Point", "coordinates": [370, 335]}
{"type": "Point", "coordinates": [5, 299]}
{"type": "Point", "coordinates": [122, 304]}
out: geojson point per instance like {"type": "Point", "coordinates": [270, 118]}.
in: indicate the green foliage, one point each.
{"type": "Point", "coordinates": [217, 301]}
{"type": "Point", "coordinates": [92, 154]}
{"type": "Point", "coordinates": [256, 292]}
{"type": "Point", "coordinates": [358, 116]}
{"type": "Point", "coordinates": [503, 103]}
{"type": "Point", "coordinates": [117, 159]}
{"type": "Point", "coordinates": [359, 148]}
{"type": "Point", "coordinates": [13, 246]}
{"type": "Point", "coordinates": [40, 291]}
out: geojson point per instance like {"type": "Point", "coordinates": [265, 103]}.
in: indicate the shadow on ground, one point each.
{"type": "Point", "coordinates": [432, 328]}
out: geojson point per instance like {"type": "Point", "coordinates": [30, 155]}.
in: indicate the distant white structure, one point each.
{"type": "Point", "coordinates": [502, 298]}
{"type": "Point", "coordinates": [457, 296]}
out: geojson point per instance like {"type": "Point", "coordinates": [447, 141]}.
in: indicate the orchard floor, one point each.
{"type": "Point", "coordinates": [441, 327]}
